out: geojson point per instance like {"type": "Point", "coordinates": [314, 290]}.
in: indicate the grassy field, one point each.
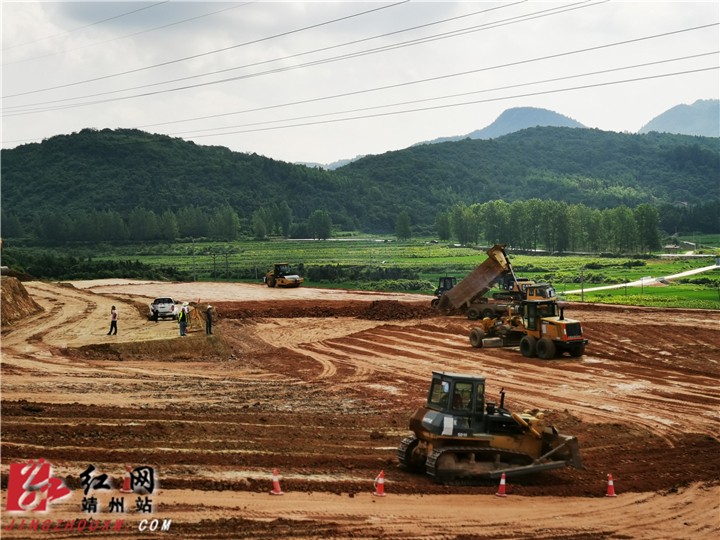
{"type": "Point", "coordinates": [674, 295]}
{"type": "Point", "coordinates": [427, 260]}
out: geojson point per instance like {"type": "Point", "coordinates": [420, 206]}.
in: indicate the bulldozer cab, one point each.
{"type": "Point", "coordinates": [459, 396]}
{"type": "Point", "coordinates": [459, 401]}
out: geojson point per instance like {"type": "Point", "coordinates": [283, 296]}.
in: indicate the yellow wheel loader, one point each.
{"type": "Point", "coordinates": [459, 438]}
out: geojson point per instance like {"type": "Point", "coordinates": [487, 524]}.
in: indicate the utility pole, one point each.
{"type": "Point", "coordinates": [193, 258]}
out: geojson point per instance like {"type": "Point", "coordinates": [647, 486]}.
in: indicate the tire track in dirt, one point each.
{"type": "Point", "coordinates": [386, 351]}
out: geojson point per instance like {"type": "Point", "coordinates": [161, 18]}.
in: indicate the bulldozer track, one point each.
{"type": "Point", "coordinates": [472, 479]}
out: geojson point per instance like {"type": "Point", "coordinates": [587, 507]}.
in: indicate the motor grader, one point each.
{"type": "Point", "coordinates": [539, 327]}
{"type": "Point", "coordinates": [282, 276]}
{"type": "Point", "coordinates": [459, 438]}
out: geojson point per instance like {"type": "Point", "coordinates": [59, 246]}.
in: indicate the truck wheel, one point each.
{"type": "Point", "coordinates": [577, 352]}
{"type": "Point", "coordinates": [528, 347]}
{"type": "Point", "coordinates": [476, 337]}
{"type": "Point", "coordinates": [434, 303]}
{"type": "Point", "coordinates": [488, 314]}
{"type": "Point", "coordinates": [271, 282]}
{"type": "Point", "coordinates": [546, 349]}
{"type": "Point", "coordinates": [473, 314]}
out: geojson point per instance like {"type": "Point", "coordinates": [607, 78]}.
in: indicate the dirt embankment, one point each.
{"type": "Point", "coordinates": [16, 302]}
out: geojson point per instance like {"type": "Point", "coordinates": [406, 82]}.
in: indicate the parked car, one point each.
{"type": "Point", "coordinates": [162, 308]}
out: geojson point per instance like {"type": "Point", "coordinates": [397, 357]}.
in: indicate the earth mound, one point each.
{"type": "Point", "coordinates": [16, 302]}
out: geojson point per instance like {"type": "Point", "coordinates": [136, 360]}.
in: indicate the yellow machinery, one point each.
{"type": "Point", "coordinates": [282, 276]}
{"type": "Point", "coordinates": [540, 328]}
{"type": "Point", "coordinates": [460, 438]}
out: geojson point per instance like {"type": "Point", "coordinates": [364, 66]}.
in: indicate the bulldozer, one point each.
{"type": "Point", "coordinates": [540, 329]}
{"type": "Point", "coordinates": [282, 276]}
{"type": "Point", "coordinates": [459, 438]}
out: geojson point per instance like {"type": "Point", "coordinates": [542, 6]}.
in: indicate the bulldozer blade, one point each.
{"type": "Point", "coordinates": [569, 443]}
{"type": "Point", "coordinates": [492, 342]}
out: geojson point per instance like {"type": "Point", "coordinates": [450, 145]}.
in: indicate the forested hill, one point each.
{"type": "Point", "coordinates": [120, 170]}
{"type": "Point", "coordinates": [597, 168]}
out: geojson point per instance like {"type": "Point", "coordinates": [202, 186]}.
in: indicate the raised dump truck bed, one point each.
{"type": "Point", "coordinates": [479, 281]}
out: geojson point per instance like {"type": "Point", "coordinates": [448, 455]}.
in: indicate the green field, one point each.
{"type": "Point", "coordinates": [675, 295]}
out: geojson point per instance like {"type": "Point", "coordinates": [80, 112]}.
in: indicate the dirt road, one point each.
{"type": "Point", "coordinates": [319, 384]}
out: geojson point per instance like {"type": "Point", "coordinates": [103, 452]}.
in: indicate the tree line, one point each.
{"type": "Point", "coordinates": [144, 225]}
{"type": "Point", "coordinates": [531, 224]}
{"type": "Point", "coordinates": [553, 225]}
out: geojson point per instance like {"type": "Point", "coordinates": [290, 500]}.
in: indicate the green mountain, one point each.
{"type": "Point", "coordinates": [120, 170]}
{"type": "Point", "coordinates": [700, 118]}
{"type": "Point", "coordinates": [515, 119]}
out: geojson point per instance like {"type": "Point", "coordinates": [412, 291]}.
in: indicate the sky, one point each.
{"type": "Point", "coordinates": [324, 81]}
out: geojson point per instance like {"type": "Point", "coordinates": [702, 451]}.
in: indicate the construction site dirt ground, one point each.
{"type": "Point", "coordinates": [319, 384]}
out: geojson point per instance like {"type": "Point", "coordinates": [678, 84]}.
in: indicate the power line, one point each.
{"type": "Point", "coordinates": [420, 81]}
{"type": "Point", "coordinates": [387, 87]}
{"type": "Point", "coordinates": [126, 36]}
{"type": "Point", "coordinates": [288, 57]}
{"type": "Point", "coordinates": [215, 51]}
{"type": "Point", "coordinates": [85, 26]}
{"type": "Point", "coordinates": [454, 105]}
{"type": "Point", "coordinates": [450, 96]}
{"type": "Point", "coordinates": [489, 100]}
{"type": "Point", "coordinates": [417, 41]}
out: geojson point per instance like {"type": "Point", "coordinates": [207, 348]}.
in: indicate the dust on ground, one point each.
{"type": "Point", "coordinates": [320, 384]}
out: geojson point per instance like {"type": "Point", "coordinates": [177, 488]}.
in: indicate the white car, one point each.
{"type": "Point", "coordinates": [162, 308]}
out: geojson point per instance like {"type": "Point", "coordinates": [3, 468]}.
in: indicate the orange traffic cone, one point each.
{"type": "Point", "coordinates": [126, 481]}
{"type": "Point", "coordinates": [276, 484]}
{"type": "Point", "coordinates": [379, 484]}
{"type": "Point", "coordinates": [611, 487]}
{"type": "Point", "coordinates": [501, 489]}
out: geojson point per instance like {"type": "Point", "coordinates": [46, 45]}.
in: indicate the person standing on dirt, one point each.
{"type": "Point", "coordinates": [208, 320]}
{"type": "Point", "coordinates": [113, 321]}
{"type": "Point", "coordinates": [182, 319]}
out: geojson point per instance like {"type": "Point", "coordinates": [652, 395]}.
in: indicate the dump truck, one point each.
{"type": "Point", "coordinates": [478, 282]}
{"type": "Point", "coordinates": [282, 276]}
{"type": "Point", "coordinates": [469, 294]}
{"type": "Point", "coordinates": [459, 437]}
{"type": "Point", "coordinates": [540, 329]}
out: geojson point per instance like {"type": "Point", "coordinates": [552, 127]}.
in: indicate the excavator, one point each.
{"type": "Point", "coordinates": [459, 438]}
